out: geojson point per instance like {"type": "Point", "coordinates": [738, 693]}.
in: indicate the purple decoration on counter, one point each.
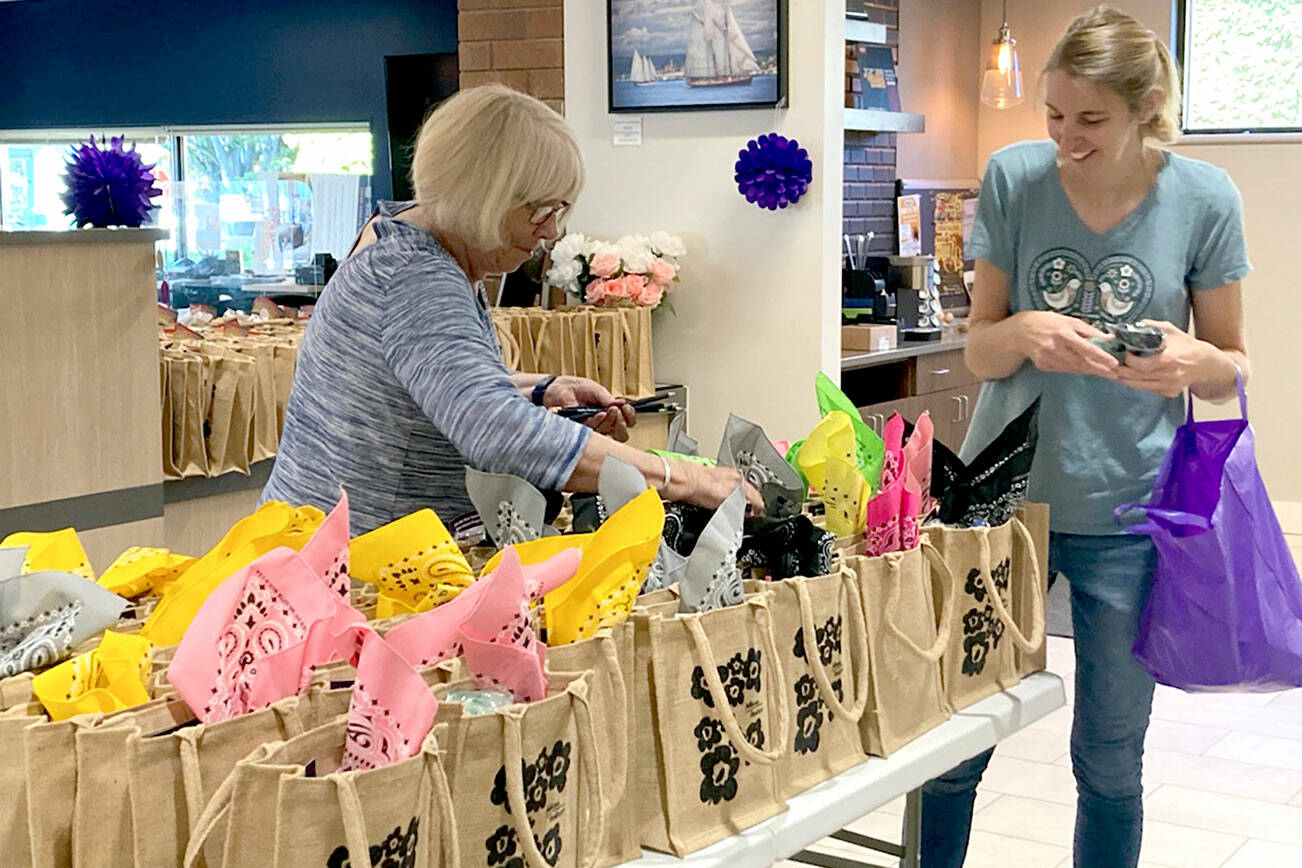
{"type": "Point", "coordinates": [108, 186]}
{"type": "Point", "coordinates": [773, 171]}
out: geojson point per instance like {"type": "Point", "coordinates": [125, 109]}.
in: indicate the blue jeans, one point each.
{"type": "Point", "coordinates": [1110, 577]}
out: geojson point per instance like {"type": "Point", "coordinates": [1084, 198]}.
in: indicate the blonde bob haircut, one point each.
{"type": "Point", "coordinates": [1115, 51]}
{"type": "Point", "coordinates": [487, 150]}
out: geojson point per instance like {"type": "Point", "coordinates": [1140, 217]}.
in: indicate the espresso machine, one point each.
{"type": "Point", "coordinates": [896, 289]}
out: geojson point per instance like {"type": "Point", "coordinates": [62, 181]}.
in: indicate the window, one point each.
{"type": "Point", "coordinates": [269, 200]}
{"type": "Point", "coordinates": [257, 201]}
{"type": "Point", "coordinates": [31, 175]}
{"type": "Point", "coordinates": [1240, 62]}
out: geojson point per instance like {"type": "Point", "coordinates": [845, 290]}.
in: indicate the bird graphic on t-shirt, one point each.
{"type": "Point", "coordinates": [1065, 296]}
{"type": "Point", "coordinates": [1111, 304]}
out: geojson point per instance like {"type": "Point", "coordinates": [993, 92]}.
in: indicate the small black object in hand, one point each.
{"type": "Point", "coordinates": [1129, 337]}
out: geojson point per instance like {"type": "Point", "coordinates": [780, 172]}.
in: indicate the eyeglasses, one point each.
{"type": "Point", "coordinates": [541, 212]}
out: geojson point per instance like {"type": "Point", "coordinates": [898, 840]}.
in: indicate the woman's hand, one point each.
{"type": "Point", "coordinates": [1060, 344]}
{"type": "Point", "coordinates": [614, 421]}
{"type": "Point", "coordinates": [705, 486]}
{"type": "Point", "coordinates": [1182, 361]}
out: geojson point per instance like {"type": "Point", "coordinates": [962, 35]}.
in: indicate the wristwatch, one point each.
{"type": "Point", "coordinates": [540, 389]}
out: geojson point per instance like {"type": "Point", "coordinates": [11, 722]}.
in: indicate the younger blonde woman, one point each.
{"type": "Point", "coordinates": [1099, 225]}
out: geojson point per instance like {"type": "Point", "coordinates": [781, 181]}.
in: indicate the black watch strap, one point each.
{"type": "Point", "coordinates": [540, 389]}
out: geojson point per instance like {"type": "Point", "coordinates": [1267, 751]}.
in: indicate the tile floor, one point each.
{"type": "Point", "coordinates": [1222, 786]}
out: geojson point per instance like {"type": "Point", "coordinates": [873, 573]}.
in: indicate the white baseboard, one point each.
{"type": "Point", "coordinates": [1289, 513]}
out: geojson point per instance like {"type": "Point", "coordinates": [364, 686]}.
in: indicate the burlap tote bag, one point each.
{"type": "Point", "coordinates": [170, 470]}
{"type": "Point", "coordinates": [174, 773]}
{"type": "Point", "coordinates": [197, 383]}
{"type": "Point", "coordinates": [1031, 580]}
{"type": "Point", "coordinates": [102, 828]}
{"type": "Point", "coordinates": [49, 759]}
{"type": "Point", "coordinates": [713, 709]}
{"type": "Point", "coordinates": [526, 783]}
{"type": "Point", "coordinates": [582, 345]}
{"type": "Point", "coordinates": [551, 343]}
{"type": "Point", "coordinates": [288, 805]}
{"type": "Point", "coordinates": [609, 656]}
{"type": "Point", "coordinates": [266, 434]}
{"type": "Point", "coordinates": [285, 359]}
{"type": "Point", "coordinates": [608, 349]}
{"type": "Point", "coordinates": [15, 840]}
{"type": "Point", "coordinates": [221, 409]}
{"type": "Point", "coordinates": [639, 378]}
{"type": "Point", "coordinates": [822, 635]}
{"type": "Point", "coordinates": [905, 643]}
{"type": "Point", "coordinates": [979, 659]}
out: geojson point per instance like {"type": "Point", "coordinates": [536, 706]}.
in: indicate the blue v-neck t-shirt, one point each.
{"type": "Point", "coordinates": [1100, 443]}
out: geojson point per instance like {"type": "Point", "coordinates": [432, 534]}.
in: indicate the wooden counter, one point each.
{"type": "Point", "coordinates": [911, 378]}
{"type": "Point", "coordinates": [80, 439]}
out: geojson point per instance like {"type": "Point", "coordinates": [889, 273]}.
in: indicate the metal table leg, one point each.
{"type": "Point", "coordinates": [912, 832]}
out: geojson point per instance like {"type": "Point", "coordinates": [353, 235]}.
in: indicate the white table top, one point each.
{"type": "Point", "coordinates": [834, 804]}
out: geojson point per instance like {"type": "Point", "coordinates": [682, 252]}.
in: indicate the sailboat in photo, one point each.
{"type": "Point", "coordinates": [717, 50]}
{"type": "Point", "coordinates": [642, 70]}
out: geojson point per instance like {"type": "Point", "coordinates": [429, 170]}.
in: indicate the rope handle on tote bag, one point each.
{"type": "Point", "coordinates": [435, 795]}
{"type": "Point", "coordinates": [213, 813]}
{"type": "Point", "coordinates": [443, 802]}
{"type": "Point", "coordinates": [513, 748]}
{"type": "Point", "coordinates": [1037, 599]}
{"type": "Point", "coordinates": [291, 724]}
{"type": "Point", "coordinates": [619, 688]}
{"type": "Point", "coordinates": [860, 624]}
{"type": "Point", "coordinates": [704, 656]}
{"type": "Point", "coordinates": [934, 558]}
{"type": "Point", "coordinates": [350, 809]}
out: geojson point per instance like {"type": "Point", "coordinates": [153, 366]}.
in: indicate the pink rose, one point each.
{"type": "Point", "coordinates": [596, 291]}
{"type": "Point", "coordinates": [627, 286]}
{"type": "Point", "coordinates": [650, 294]}
{"type": "Point", "coordinates": [604, 264]}
{"type": "Point", "coordinates": [662, 272]}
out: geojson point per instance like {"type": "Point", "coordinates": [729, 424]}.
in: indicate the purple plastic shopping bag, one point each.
{"type": "Point", "coordinates": [1225, 612]}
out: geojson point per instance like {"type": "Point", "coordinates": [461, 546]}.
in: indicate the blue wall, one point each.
{"type": "Point", "coordinates": [93, 63]}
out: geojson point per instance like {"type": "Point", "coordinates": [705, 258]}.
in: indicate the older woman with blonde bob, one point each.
{"type": "Point", "coordinates": [1100, 227]}
{"type": "Point", "coordinates": [400, 384]}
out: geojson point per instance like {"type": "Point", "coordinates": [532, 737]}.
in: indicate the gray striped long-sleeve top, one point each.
{"type": "Point", "coordinates": [400, 384]}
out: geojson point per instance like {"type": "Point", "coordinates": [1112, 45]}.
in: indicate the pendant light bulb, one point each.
{"type": "Point", "coordinates": [1001, 84]}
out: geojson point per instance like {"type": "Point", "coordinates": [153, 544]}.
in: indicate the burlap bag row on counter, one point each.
{"type": "Point", "coordinates": [526, 780]}
{"type": "Point", "coordinates": [713, 712]}
{"type": "Point", "coordinates": [822, 635]}
{"type": "Point", "coordinates": [287, 805]}
{"type": "Point", "coordinates": [980, 658]}
{"type": "Point", "coordinates": [609, 656]}
{"type": "Point", "coordinates": [905, 643]}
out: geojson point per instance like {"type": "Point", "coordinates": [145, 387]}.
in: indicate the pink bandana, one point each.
{"type": "Point", "coordinates": [490, 623]}
{"type": "Point", "coordinates": [259, 634]}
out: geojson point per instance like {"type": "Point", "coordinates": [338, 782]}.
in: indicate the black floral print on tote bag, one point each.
{"type": "Point", "coordinates": [982, 629]}
{"type": "Point", "coordinates": [720, 762]}
{"type": "Point", "coordinates": [548, 773]}
{"type": "Point", "coordinates": [397, 851]}
{"type": "Point", "coordinates": [809, 715]}
{"type": "Point", "coordinates": [811, 710]}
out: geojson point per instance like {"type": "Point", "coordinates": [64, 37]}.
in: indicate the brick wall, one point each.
{"type": "Point", "coordinates": [868, 191]}
{"type": "Point", "coordinates": [519, 43]}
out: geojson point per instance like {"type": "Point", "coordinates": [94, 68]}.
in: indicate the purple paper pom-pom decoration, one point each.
{"type": "Point", "coordinates": [773, 171]}
{"type": "Point", "coordinates": [108, 186]}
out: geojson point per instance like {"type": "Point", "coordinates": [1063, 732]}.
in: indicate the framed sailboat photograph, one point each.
{"type": "Point", "coordinates": [683, 55]}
